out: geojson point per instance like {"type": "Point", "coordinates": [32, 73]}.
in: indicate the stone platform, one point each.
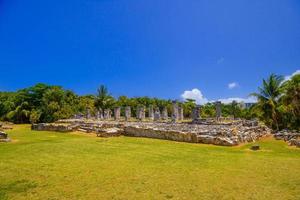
{"type": "Point", "coordinates": [218, 134]}
{"type": "Point", "coordinates": [4, 137]}
{"type": "Point", "coordinates": [292, 137]}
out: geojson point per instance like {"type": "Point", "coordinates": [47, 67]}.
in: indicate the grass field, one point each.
{"type": "Point", "coordinates": [49, 165]}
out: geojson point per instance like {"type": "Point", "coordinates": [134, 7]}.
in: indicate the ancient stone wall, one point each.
{"type": "Point", "coordinates": [226, 135]}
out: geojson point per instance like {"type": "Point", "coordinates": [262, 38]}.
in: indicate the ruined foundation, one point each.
{"type": "Point", "coordinates": [230, 134]}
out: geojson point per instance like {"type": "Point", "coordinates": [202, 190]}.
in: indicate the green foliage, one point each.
{"type": "Point", "coordinates": [103, 99]}
{"type": "Point", "coordinates": [38, 103]}
{"type": "Point", "coordinates": [34, 116]}
{"type": "Point", "coordinates": [188, 106]}
{"type": "Point", "coordinates": [279, 102]}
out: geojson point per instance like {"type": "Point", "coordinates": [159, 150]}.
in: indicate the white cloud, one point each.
{"type": "Point", "coordinates": [220, 60]}
{"type": "Point", "coordinates": [195, 94]}
{"type": "Point", "coordinates": [288, 77]}
{"type": "Point", "coordinates": [238, 99]}
{"type": "Point", "coordinates": [233, 85]}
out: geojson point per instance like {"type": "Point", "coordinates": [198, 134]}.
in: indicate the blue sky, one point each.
{"type": "Point", "coordinates": [149, 48]}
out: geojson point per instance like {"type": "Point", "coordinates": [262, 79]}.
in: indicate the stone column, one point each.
{"type": "Point", "coordinates": [180, 113]}
{"type": "Point", "coordinates": [98, 115]}
{"type": "Point", "coordinates": [196, 113]}
{"type": "Point", "coordinates": [165, 113]}
{"type": "Point", "coordinates": [140, 113]}
{"type": "Point", "coordinates": [151, 112]}
{"type": "Point", "coordinates": [101, 114]}
{"type": "Point", "coordinates": [107, 114]}
{"type": "Point", "coordinates": [174, 111]}
{"type": "Point", "coordinates": [88, 113]}
{"type": "Point", "coordinates": [127, 113]}
{"type": "Point", "coordinates": [157, 114]}
{"type": "Point", "coordinates": [117, 113]}
{"type": "Point", "coordinates": [143, 113]}
{"type": "Point", "coordinates": [218, 109]}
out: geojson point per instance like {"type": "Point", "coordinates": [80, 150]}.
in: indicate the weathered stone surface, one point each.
{"type": "Point", "coordinates": [196, 113]}
{"type": "Point", "coordinates": [109, 132]}
{"type": "Point", "coordinates": [55, 127]}
{"type": "Point", "coordinates": [157, 114]}
{"type": "Point", "coordinates": [295, 142]}
{"type": "Point", "coordinates": [165, 113]}
{"type": "Point", "coordinates": [226, 135]}
{"type": "Point", "coordinates": [127, 113]}
{"type": "Point", "coordinates": [175, 114]}
{"type": "Point", "coordinates": [4, 137]}
{"type": "Point", "coordinates": [117, 113]}
{"type": "Point", "coordinates": [292, 137]}
{"type": "Point", "coordinates": [151, 112]}
{"type": "Point", "coordinates": [180, 113]}
{"type": "Point", "coordinates": [107, 114]}
{"type": "Point", "coordinates": [218, 109]}
{"type": "Point", "coordinates": [6, 125]}
{"type": "Point", "coordinates": [99, 114]}
{"type": "Point", "coordinates": [88, 114]}
{"type": "Point", "coordinates": [140, 113]}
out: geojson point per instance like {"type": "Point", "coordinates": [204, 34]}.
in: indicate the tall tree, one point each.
{"type": "Point", "coordinates": [291, 102]}
{"type": "Point", "coordinates": [268, 96]}
{"type": "Point", "coordinates": [103, 99]}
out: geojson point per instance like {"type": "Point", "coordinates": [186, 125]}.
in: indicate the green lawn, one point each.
{"type": "Point", "coordinates": [49, 165]}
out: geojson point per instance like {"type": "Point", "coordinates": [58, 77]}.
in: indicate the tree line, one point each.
{"type": "Point", "coordinates": [278, 104]}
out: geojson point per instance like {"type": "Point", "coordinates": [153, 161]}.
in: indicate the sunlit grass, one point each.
{"type": "Point", "coordinates": [49, 165]}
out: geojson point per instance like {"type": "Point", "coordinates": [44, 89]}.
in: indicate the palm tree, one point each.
{"type": "Point", "coordinates": [103, 99]}
{"type": "Point", "coordinates": [268, 97]}
{"type": "Point", "coordinates": [291, 102]}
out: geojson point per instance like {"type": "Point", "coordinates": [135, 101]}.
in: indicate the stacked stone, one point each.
{"type": "Point", "coordinates": [140, 113]}
{"type": "Point", "coordinates": [175, 115]}
{"type": "Point", "coordinates": [180, 113]}
{"type": "Point", "coordinates": [88, 113]}
{"type": "Point", "coordinates": [99, 114]}
{"type": "Point", "coordinates": [117, 113]}
{"type": "Point", "coordinates": [157, 114]}
{"type": "Point", "coordinates": [165, 113]}
{"type": "Point", "coordinates": [4, 137]}
{"type": "Point", "coordinates": [107, 114]}
{"type": "Point", "coordinates": [196, 113]}
{"type": "Point", "coordinates": [218, 110]}
{"type": "Point", "coordinates": [151, 113]}
{"type": "Point", "coordinates": [127, 113]}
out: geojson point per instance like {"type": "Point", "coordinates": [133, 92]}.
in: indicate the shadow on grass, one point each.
{"type": "Point", "coordinates": [19, 186]}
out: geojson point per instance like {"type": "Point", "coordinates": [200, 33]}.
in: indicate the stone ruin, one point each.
{"type": "Point", "coordinates": [218, 110]}
{"type": "Point", "coordinates": [4, 137]}
{"type": "Point", "coordinates": [292, 137]}
{"type": "Point", "coordinates": [5, 126]}
{"type": "Point", "coordinates": [151, 113]}
{"type": "Point", "coordinates": [196, 114]}
{"type": "Point", "coordinates": [117, 113]}
{"type": "Point", "coordinates": [140, 113]}
{"type": "Point", "coordinates": [218, 131]}
{"type": "Point", "coordinates": [157, 115]}
{"type": "Point", "coordinates": [107, 114]}
{"type": "Point", "coordinates": [164, 114]}
{"type": "Point", "coordinates": [175, 113]}
{"type": "Point", "coordinates": [127, 113]}
{"type": "Point", "coordinates": [221, 134]}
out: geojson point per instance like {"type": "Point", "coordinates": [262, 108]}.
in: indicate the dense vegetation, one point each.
{"type": "Point", "coordinates": [278, 104]}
